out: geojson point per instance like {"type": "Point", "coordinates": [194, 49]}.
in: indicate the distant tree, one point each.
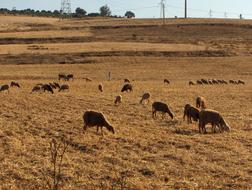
{"type": "Point", "coordinates": [93, 14]}
{"type": "Point", "coordinates": [105, 11]}
{"type": "Point", "coordinates": [130, 14]}
{"type": "Point", "coordinates": [79, 12]}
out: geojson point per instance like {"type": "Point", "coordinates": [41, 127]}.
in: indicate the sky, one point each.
{"type": "Point", "coordinates": [146, 8]}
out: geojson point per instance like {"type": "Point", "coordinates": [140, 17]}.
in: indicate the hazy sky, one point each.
{"type": "Point", "coordinates": [146, 8]}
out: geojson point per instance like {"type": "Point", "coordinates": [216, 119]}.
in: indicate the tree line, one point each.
{"type": "Point", "coordinates": [104, 11]}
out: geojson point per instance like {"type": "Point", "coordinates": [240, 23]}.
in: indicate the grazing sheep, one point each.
{"type": "Point", "coordinates": [127, 87]}
{"type": "Point", "coordinates": [14, 84]}
{"type": "Point", "coordinates": [231, 81]}
{"type": "Point", "coordinates": [36, 88]}
{"type": "Point", "coordinates": [56, 84]}
{"type": "Point", "coordinates": [241, 82]}
{"type": "Point", "coordinates": [52, 85]}
{"type": "Point", "coordinates": [100, 87]}
{"type": "Point", "coordinates": [166, 81]}
{"type": "Point", "coordinates": [214, 81]}
{"type": "Point", "coordinates": [199, 82]}
{"type": "Point", "coordinates": [92, 118]}
{"type": "Point", "coordinates": [63, 76]}
{"type": "Point", "coordinates": [161, 107]}
{"type": "Point", "coordinates": [47, 87]}
{"type": "Point", "coordinates": [212, 117]}
{"type": "Point", "coordinates": [201, 102]}
{"type": "Point", "coordinates": [118, 99]}
{"type": "Point", "coordinates": [127, 80]}
{"type": "Point", "coordinates": [145, 97]}
{"type": "Point", "coordinates": [224, 82]}
{"type": "Point", "coordinates": [4, 88]}
{"type": "Point", "coordinates": [204, 81]}
{"type": "Point", "coordinates": [64, 87]}
{"type": "Point", "coordinates": [70, 76]}
{"type": "Point", "coordinates": [210, 82]}
{"type": "Point", "coordinates": [191, 112]}
{"type": "Point", "coordinates": [191, 83]}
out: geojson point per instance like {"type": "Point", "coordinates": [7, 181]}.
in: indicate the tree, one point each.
{"type": "Point", "coordinates": [130, 14]}
{"type": "Point", "coordinates": [105, 11]}
{"type": "Point", "coordinates": [79, 12]}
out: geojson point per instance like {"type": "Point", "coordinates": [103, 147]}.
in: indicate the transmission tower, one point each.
{"type": "Point", "coordinates": [185, 8]}
{"type": "Point", "coordinates": [65, 9]}
{"type": "Point", "coordinates": [162, 10]}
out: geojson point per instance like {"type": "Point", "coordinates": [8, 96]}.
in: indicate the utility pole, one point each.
{"type": "Point", "coordinates": [225, 15]}
{"type": "Point", "coordinates": [65, 9]}
{"type": "Point", "coordinates": [210, 13]}
{"type": "Point", "coordinates": [185, 8]}
{"type": "Point", "coordinates": [162, 11]}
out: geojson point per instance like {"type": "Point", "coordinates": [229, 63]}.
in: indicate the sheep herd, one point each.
{"type": "Point", "coordinates": [215, 82]}
{"type": "Point", "coordinates": [199, 114]}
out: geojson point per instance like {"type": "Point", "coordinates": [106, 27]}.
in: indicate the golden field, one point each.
{"type": "Point", "coordinates": [154, 153]}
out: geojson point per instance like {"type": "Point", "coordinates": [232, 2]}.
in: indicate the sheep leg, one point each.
{"type": "Point", "coordinates": [163, 115]}
{"type": "Point", "coordinates": [213, 128]}
{"type": "Point", "coordinates": [153, 113]}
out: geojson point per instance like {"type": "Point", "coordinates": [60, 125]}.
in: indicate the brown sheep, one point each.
{"type": "Point", "coordinates": [93, 118]}
{"type": "Point", "coordinates": [36, 88]}
{"type": "Point", "coordinates": [145, 97]}
{"type": "Point", "coordinates": [56, 84]}
{"type": "Point", "coordinates": [127, 80]}
{"type": "Point", "coordinates": [214, 118]}
{"type": "Point", "coordinates": [161, 107]}
{"type": "Point", "coordinates": [199, 82]}
{"type": "Point", "coordinates": [241, 82]}
{"type": "Point", "coordinates": [64, 87]}
{"type": "Point", "coordinates": [47, 87]}
{"type": "Point", "coordinates": [191, 83]}
{"type": "Point", "coordinates": [127, 87]}
{"type": "Point", "coordinates": [204, 81]}
{"type": "Point", "coordinates": [52, 85]}
{"type": "Point", "coordinates": [166, 81]}
{"type": "Point", "coordinates": [14, 84]}
{"type": "Point", "coordinates": [70, 76]}
{"type": "Point", "coordinates": [100, 87]}
{"type": "Point", "coordinates": [118, 99]}
{"type": "Point", "coordinates": [4, 88]}
{"type": "Point", "coordinates": [201, 102]}
{"type": "Point", "coordinates": [63, 76]}
{"type": "Point", "coordinates": [191, 112]}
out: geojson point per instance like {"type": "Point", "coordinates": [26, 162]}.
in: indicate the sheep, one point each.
{"type": "Point", "coordinates": [214, 118]}
{"type": "Point", "coordinates": [100, 87]}
{"type": "Point", "coordinates": [64, 87]}
{"type": "Point", "coordinates": [93, 118]}
{"type": "Point", "coordinates": [231, 82]}
{"type": "Point", "coordinates": [36, 88]}
{"type": "Point", "coordinates": [4, 88]}
{"type": "Point", "coordinates": [127, 87]}
{"type": "Point", "coordinates": [52, 85]}
{"type": "Point", "coordinates": [88, 79]}
{"type": "Point", "coordinates": [63, 76]}
{"type": "Point", "coordinates": [166, 81]}
{"type": "Point", "coordinates": [199, 82]}
{"type": "Point", "coordinates": [70, 76]}
{"type": "Point", "coordinates": [191, 83]}
{"type": "Point", "coordinates": [47, 87]}
{"type": "Point", "coordinates": [126, 80]}
{"type": "Point", "coordinates": [56, 84]}
{"type": "Point", "coordinates": [161, 107]}
{"type": "Point", "coordinates": [204, 81]}
{"type": "Point", "coordinates": [210, 82]}
{"type": "Point", "coordinates": [214, 81]}
{"type": "Point", "coordinates": [118, 99]}
{"type": "Point", "coordinates": [241, 82]}
{"type": "Point", "coordinates": [201, 102]}
{"type": "Point", "coordinates": [191, 112]}
{"type": "Point", "coordinates": [14, 84]}
{"type": "Point", "coordinates": [145, 97]}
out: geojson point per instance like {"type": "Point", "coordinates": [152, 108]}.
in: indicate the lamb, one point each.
{"type": "Point", "coordinates": [93, 118]}
{"type": "Point", "coordinates": [145, 97]}
{"type": "Point", "coordinates": [47, 87]}
{"type": "Point", "coordinates": [14, 84]}
{"type": "Point", "coordinates": [213, 117]}
{"type": "Point", "coordinates": [4, 88]}
{"type": "Point", "coordinates": [126, 80]}
{"type": "Point", "coordinates": [127, 87]}
{"type": "Point", "coordinates": [241, 82]}
{"type": "Point", "coordinates": [201, 102]}
{"type": "Point", "coordinates": [118, 99]}
{"type": "Point", "coordinates": [56, 84]}
{"type": "Point", "coordinates": [64, 87]}
{"type": "Point", "coordinates": [191, 112]}
{"type": "Point", "coordinates": [191, 83]}
{"type": "Point", "coordinates": [161, 107]}
{"type": "Point", "coordinates": [70, 76]}
{"type": "Point", "coordinates": [100, 87]}
{"type": "Point", "coordinates": [166, 81]}
{"type": "Point", "coordinates": [36, 88]}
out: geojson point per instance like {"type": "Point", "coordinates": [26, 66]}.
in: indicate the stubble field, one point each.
{"type": "Point", "coordinates": [144, 153]}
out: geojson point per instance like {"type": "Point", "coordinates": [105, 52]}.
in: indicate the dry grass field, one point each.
{"type": "Point", "coordinates": [144, 153]}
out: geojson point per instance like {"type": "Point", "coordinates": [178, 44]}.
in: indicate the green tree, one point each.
{"type": "Point", "coordinates": [105, 11]}
{"type": "Point", "coordinates": [79, 12]}
{"type": "Point", "coordinates": [130, 14]}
